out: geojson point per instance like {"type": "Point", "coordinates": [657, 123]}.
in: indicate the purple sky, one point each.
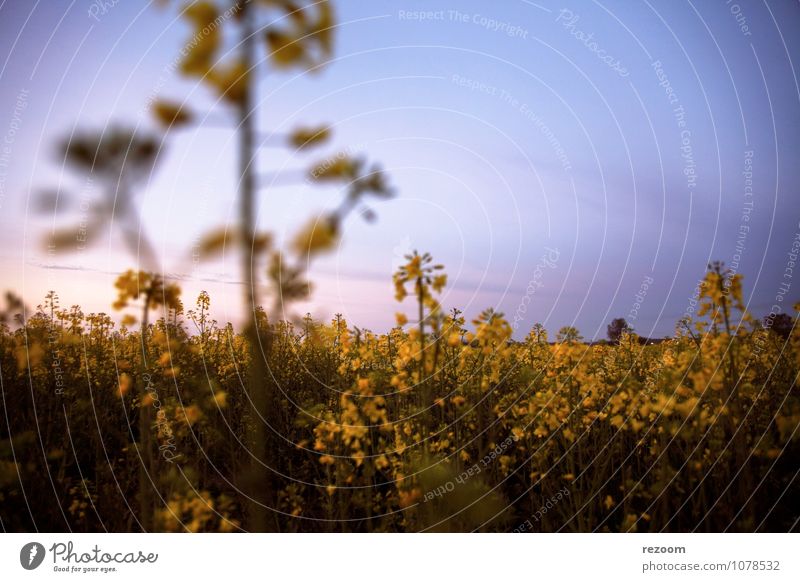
{"type": "Point", "coordinates": [555, 157]}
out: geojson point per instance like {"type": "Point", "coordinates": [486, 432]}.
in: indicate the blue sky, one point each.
{"type": "Point", "coordinates": [507, 128]}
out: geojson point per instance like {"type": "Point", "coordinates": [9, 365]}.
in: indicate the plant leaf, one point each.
{"type": "Point", "coordinates": [285, 50]}
{"type": "Point", "coordinates": [171, 114]}
{"type": "Point", "coordinates": [202, 46]}
{"type": "Point", "coordinates": [306, 137]}
{"type": "Point", "coordinates": [230, 81]}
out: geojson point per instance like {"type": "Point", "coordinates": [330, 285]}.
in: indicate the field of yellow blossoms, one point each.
{"type": "Point", "coordinates": [440, 425]}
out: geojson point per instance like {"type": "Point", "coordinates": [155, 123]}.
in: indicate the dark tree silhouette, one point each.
{"type": "Point", "coordinates": [780, 323]}
{"type": "Point", "coordinates": [616, 328]}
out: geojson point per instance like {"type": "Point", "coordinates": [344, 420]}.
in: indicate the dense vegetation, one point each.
{"type": "Point", "coordinates": [436, 425]}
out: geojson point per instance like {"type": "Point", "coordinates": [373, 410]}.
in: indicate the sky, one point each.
{"type": "Point", "coordinates": [568, 162]}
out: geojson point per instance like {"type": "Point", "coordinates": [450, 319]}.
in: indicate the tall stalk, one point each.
{"type": "Point", "coordinates": [259, 390]}
{"type": "Point", "coordinates": [147, 464]}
